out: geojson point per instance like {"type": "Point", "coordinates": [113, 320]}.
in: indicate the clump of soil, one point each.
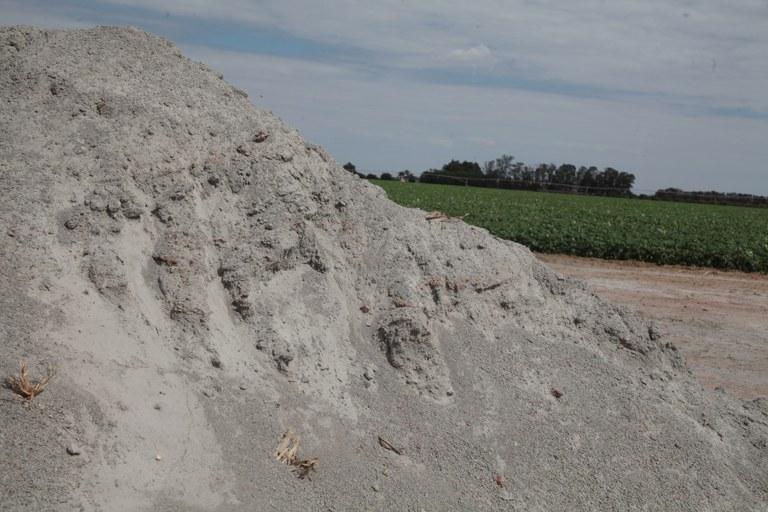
{"type": "Point", "coordinates": [204, 280]}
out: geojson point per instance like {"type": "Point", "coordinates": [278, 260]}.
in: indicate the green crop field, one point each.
{"type": "Point", "coordinates": [662, 232]}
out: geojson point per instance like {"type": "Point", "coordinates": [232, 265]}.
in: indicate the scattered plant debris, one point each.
{"type": "Point", "coordinates": [24, 386]}
{"type": "Point", "coordinates": [436, 215]}
{"type": "Point", "coordinates": [287, 452]}
{"type": "Point", "coordinates": [287, 448]}
{"type": "Point", "coordinates": [303, 468]}
{"type": "Point", "coordinates": [388, 446]}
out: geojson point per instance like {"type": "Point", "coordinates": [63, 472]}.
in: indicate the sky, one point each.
{"type": "Point", "coordinates": [674, 91]}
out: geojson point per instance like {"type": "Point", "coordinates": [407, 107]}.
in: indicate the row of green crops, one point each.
{"type": "Point", "coordinates": [629, 229]}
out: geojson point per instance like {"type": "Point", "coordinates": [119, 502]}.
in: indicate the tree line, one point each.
{"type": "Point", "coordinates": [710, 197]}
{"type": "Point", "coordinates": [506, 172]}
{"type": "Point", "coordinates": [404, 175]}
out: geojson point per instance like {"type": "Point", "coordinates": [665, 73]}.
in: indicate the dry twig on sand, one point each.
{"type": "Point", "coordinates": [438, 215]}
{"type": "Point", "coordinates": [287, 452]}
{"type": "Point", "coordinates": [480, 288]}
{"type": "Point", "coordinates": [388, 446]}
{"type": "Point", "coordinates": [24, 386]}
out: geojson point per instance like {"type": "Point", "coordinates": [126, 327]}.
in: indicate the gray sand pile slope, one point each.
{"type": "Point", "coordinates": [205, 280]}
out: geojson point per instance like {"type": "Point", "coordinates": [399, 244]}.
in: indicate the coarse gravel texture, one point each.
{"type": "Point", "coordinates": [204, 280]}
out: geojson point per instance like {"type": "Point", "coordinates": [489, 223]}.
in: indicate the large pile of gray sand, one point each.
{"type": "Point", "coordinates": [204, 280]}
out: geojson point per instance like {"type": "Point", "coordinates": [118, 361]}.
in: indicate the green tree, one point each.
{"type": "Point", "coordinates": [499, 168]}
{"type": "Point", "coordinates": [463, 169]}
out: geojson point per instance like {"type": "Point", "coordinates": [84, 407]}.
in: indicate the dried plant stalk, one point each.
{"type": "Point", "coordinates": [287, 453]}
{"type": "Point", "coordinates": [287, 448]}
{"type": "Point", "coordinates": [388, 446]}
{"type": "Point", "coordinates": [436, 215]}
{"type": "Point", "coordinates": [24, 386]}
{"type": "Point", "coordinates": [440, 216]}
{"type": "Point", "coordinates": [304, 468]}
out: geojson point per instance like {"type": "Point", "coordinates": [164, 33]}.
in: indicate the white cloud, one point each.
{"type": "Point", "coordinates": [472, 55]}
{"type": "Point", "coordinates": [648, 46]}
{"type": "Point", "coordinates": [658, 47]}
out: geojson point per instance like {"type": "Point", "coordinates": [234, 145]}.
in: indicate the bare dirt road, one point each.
{"type": "Point", "coordinates": [718, 319]}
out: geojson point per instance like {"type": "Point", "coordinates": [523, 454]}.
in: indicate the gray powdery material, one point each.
{"type": "Point", "coordinates": [205, 280]}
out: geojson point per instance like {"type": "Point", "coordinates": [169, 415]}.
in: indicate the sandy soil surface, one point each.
{"type": "Point", "coordinates": [718, 319]}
